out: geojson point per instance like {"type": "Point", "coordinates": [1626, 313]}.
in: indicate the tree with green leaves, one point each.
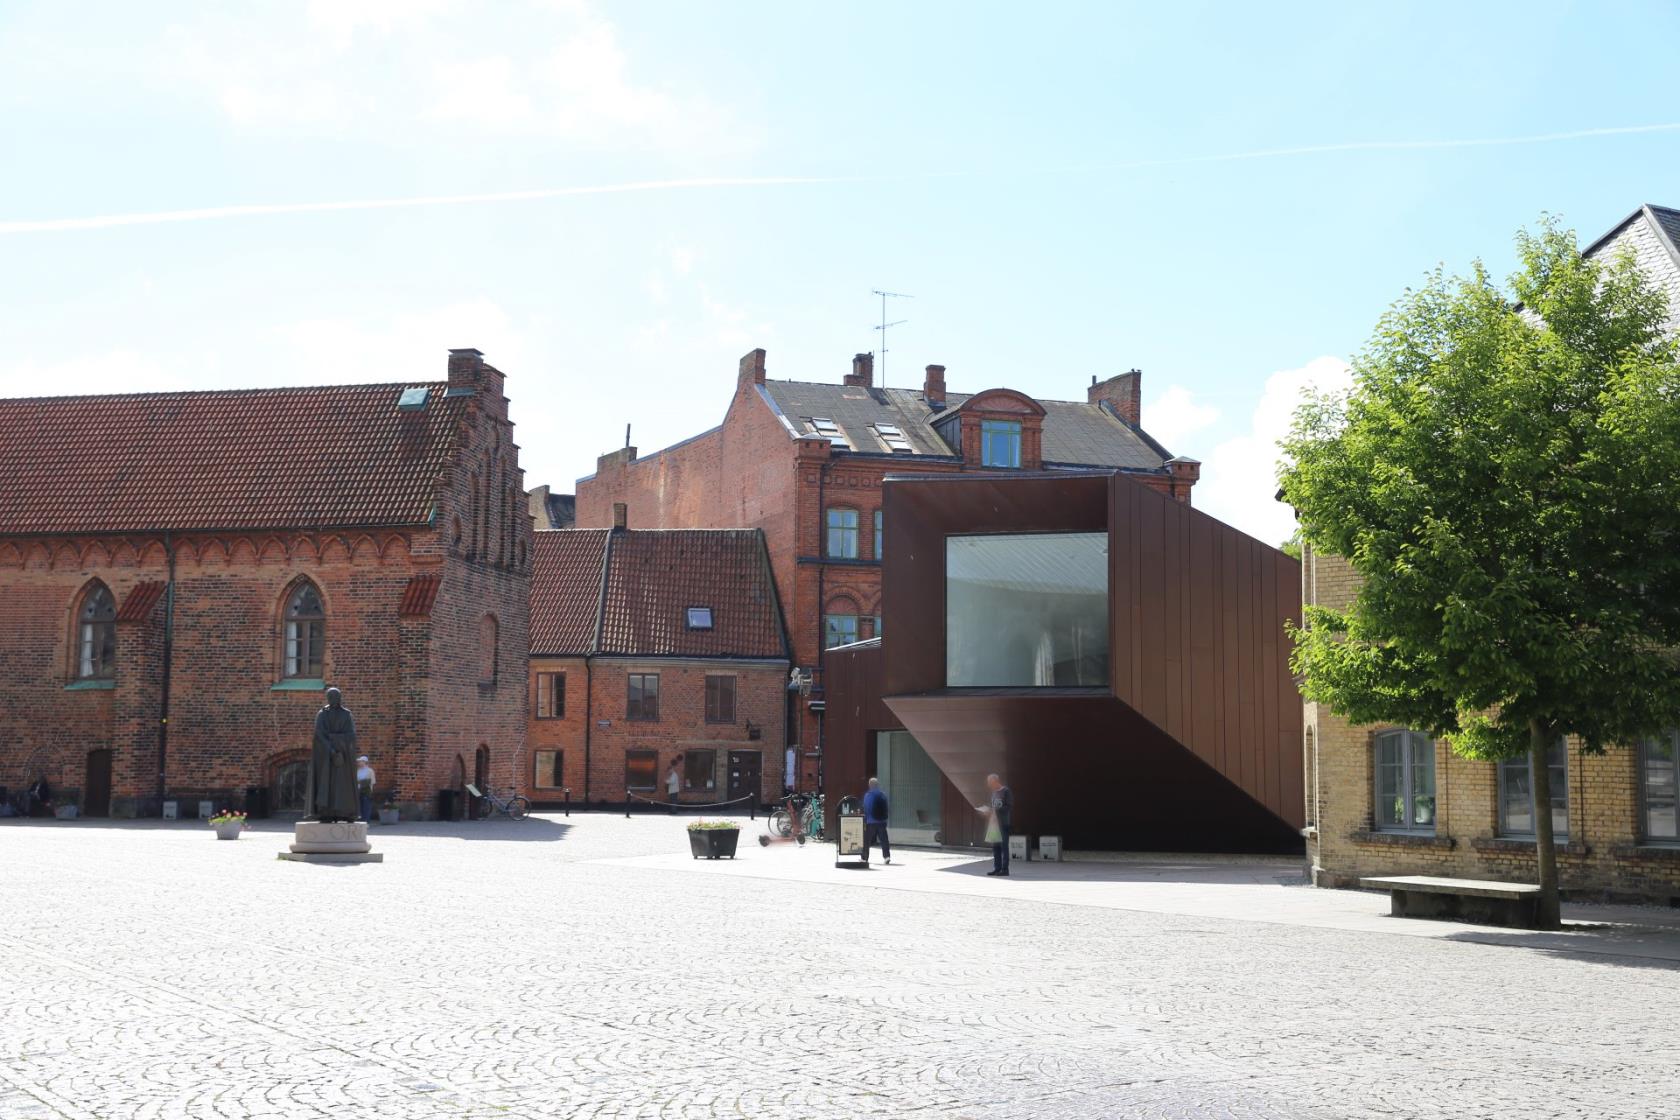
{"type": "Point", "coordinates": [1504, 476]}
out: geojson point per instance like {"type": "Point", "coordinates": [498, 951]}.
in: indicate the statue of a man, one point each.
{"type": "Point", "coordinates": [332, 765]}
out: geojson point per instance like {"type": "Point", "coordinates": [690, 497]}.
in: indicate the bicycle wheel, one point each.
{"type": "Point", "coordinates": [518, 807]}
{"type": "Point", "coordinates": [781, 824]}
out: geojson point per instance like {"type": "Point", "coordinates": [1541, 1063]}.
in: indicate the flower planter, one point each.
{"type": "Point", "coordinates": [229, 830]}
{"type": "Point", "coordinates": [65, 812]}
{"type": "Point", "coordinates": [387, 816]}
{"type": "Point", "coordinates": [713, 843]}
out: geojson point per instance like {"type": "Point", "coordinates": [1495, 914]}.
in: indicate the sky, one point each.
{"type": "Point", "coordinates": [616, 201]}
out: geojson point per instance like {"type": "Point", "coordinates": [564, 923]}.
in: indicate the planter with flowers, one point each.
{"type": "Point", "coordinates": [228, 824]}
{"type": "Point", "coordinates": [713, 839]}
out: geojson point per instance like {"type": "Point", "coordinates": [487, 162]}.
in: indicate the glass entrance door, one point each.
{"type": "Point", "coordinates": [913, 784]}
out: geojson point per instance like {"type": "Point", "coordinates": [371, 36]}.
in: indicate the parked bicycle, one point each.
{"type": "Point", "coordinates": [510, 804]}
{"type": "Point", "coordinates": [800, 816]}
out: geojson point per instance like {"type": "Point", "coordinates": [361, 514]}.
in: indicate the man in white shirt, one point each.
{"type": "Point", "coordinates": [364, 787]}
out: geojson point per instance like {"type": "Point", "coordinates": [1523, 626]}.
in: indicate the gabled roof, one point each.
{"type": "Point", "coordinates": [1652, 233]}
{"type": "Point", "coordinates": [336, 455]}
{"type": "Point", "coordinates": [627, 593]}
{"type": "Point", "coordinates": [1075, 433]}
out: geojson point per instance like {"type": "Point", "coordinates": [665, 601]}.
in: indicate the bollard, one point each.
{"type": "Point", "coordinates": [568, 802]}
{"type": "Point", "coordinates": [752, 806]}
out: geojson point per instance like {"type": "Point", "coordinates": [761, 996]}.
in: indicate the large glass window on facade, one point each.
{"type": "Point", "coordinates": [1403, 763]}
{"type": "Point", "coordinates": [1026, 609]}
{"type": "Point", "coordinates": [914, 788]}
{"type": "Point", "coordinates": [1516, 794]}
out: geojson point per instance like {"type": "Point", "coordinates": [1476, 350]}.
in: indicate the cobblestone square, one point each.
{"type": "Point", "coordinates": [586, 967]}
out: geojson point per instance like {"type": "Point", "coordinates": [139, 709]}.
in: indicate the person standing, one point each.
{"type": "Point", "coordinates": [875, 821]}
{"type": "Point", "coordinates": [673, 784]}
{"type": "Point", "coordinates": [999, 809]}
{"type": "Point", "coordinates": [364, 787]}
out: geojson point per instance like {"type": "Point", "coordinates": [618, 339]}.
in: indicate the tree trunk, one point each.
{"type": "Point", "coordinates": [1540, 783]}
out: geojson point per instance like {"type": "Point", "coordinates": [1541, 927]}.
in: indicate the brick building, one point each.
{"type": "Point", "coordinates": [652, 649]}
{"type": "Point", "coordinates": [181, 574]}
{"type": "Point", "coordinates": [804, 462]}
{"type": "Point", "coordinates": [1388, 800]}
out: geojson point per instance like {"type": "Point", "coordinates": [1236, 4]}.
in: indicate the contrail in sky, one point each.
{"type": "Point", "coordinates": [107, 221]}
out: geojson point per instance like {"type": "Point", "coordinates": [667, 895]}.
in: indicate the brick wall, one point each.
{"type": "Point", "coordinates": [1604, 856]}
{"type": "Point", "coordinates": [595, 726]}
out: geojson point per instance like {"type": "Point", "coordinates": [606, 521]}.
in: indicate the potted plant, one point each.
{"type": "Point", "coordinates": [388, 811]}
{"type": "Point", "coordinates": [228, 824]}
{"type": "Point", "coordinates": [713, 839]}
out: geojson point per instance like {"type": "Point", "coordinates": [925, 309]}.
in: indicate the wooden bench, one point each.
{"type": "Point", "coordinates": [1467, 900]}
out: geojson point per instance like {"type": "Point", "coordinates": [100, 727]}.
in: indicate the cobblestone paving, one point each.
{"type": "Point", "coordinates": [502, 970]}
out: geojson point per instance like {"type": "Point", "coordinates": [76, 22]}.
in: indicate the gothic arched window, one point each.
{"type": "Point", "coordinates": [306, 632]}
{"type": "Point", "coordinates": [96, 634]}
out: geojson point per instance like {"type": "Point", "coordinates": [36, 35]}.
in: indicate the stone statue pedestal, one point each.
{"type": "Point", "coordinates": [332, 842]}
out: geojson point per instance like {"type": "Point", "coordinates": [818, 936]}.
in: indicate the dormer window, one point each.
{"type": "Point", "coordinates": [699, 618]}
{"type": "Point", "coordinates": [893, 437]}
{"type": "Point", "coordinates": [1000, 443]}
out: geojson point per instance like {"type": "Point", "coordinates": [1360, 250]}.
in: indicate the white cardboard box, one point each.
{"type": "Point", "coordinates": [1019, 846]}
{"type": "Point", "coordinates": [171, 810]}
{"type": "Point", "coordinates": [1050, 848]}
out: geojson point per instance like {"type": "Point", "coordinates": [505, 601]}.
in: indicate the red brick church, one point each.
{"type": "Point", "coordinates": [182, 574]}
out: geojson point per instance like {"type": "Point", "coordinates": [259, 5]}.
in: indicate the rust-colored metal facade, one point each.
{"type": "Point", "coordinates": [1195, 743]}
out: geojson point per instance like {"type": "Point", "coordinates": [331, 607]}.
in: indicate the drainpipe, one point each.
{"type": "Point", "coordinates": [588, 721]}
{"type": "Point", "coordinates": [168, 657]}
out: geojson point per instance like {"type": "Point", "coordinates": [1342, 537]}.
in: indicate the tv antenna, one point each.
{"type": "Point", "coordinates": [885, 296]}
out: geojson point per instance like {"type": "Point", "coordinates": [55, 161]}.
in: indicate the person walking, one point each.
{"type": "Point", "coordinates": [999, 809]}
{"type": "Point", "coordinates": [364, 788]}
{"type": "Point", "coordinates": [875, 821]}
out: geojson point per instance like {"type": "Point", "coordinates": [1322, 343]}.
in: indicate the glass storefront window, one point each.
{"type": "Point", "coordinates": [1026, 609]}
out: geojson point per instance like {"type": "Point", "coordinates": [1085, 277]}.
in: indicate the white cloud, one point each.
{"type": "Point", "coordinates": [1239, 477]}
{"type": "Point", "coordinates": [1175, 415]}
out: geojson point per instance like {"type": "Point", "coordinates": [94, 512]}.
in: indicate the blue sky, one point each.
{"type": "Point", "coordinates": [1036, 175]}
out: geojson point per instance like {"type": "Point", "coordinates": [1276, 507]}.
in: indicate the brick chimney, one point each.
{"type": "Point", "coordinates": [934, 387]}
{"type": "Point", "coordinates": [752, 368]}
{"type": "Point", "coordinates": [1122, 393]}
{"type": "Point", "coordinates": [621, 515]}
{"type": "Point", "coordinates": [863, 370]}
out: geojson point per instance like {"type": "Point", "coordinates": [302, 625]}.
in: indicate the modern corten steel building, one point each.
{"type": "Point", "coordinates": [1117, 656]}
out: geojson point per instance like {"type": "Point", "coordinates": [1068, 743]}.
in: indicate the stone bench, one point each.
{"type": "Point", "coordinates": [1467, 900]}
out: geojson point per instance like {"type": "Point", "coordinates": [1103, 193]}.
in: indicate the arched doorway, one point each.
{"type": "Point", "coordinates": [481, 778]}
{"type": "Point", "coordinates": [291, 787]}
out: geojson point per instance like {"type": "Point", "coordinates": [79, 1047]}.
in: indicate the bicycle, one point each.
{"type": "Point", "coordinates": [510, 805]}
{"type": "Point", "coordinates": [799, 816]}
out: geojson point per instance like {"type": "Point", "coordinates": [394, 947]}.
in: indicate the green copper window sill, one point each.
{"type": "Point", "coordinates": [299, 684]}
{"type": "Point", "coordinates": [93, 684]}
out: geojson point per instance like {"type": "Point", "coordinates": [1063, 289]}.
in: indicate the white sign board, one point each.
{"type": "Point", "coordinates": [851, 836]}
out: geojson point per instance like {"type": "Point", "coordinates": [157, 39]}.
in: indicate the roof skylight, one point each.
{"type": "Point", "coordinates": [413, 400]}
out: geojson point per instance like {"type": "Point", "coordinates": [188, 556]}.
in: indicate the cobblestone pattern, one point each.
{"type": "Point", "coordinates": [491, 970]}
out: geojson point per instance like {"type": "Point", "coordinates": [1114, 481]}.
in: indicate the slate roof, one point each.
{"type": "Point", "coordinates": [336, 455]}
{"type": "Point", "coordinates": [1075, 433]}
{"type": "Point", "coordinates": [652, 577]}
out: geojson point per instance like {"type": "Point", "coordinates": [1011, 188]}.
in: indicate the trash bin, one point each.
{"type": "Point", "coordinates": [256, 803]}
{"type": "Point", "coordinates": [449, 805]}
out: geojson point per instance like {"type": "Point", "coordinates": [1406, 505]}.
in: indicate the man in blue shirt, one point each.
{"type": "Point", "coordinates": [875, 820]}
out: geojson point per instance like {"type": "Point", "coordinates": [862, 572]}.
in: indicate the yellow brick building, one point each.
{"type": "Point", "coordinates": [1381, 801]}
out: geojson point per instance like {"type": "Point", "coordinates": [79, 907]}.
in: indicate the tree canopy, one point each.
{"type": "Point", "coordinates": [1504, 476]}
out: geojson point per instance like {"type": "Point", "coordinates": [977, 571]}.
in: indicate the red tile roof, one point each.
{"type": "Point", "coordinates": [418, 596]}
{"type": "Point", "coordinates": [653, 577]}
{"type": "Point", "coordinates": [337, 455]}
{"type": "Point", "coordinates": [141, 600]}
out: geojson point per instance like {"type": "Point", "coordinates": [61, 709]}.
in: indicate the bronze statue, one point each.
{"type": "Point", "coordinates": [332, 765]}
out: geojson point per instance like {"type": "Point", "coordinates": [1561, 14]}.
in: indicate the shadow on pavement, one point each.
{"type": "Point", "coordinates": [532, 828]}
{"type": "Point", "coordinates": [1629, 948]}
{"type": "Point", "coordinates": [1166, 871]}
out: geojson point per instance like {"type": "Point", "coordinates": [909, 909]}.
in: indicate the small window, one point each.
{"type": "Point", "coordinates": [839, 630]}
{"type": "Point", "coordinates": [643, 700]}
{"type": "Point", "coordinates": [879, 539]}
{"type": "Point", "coordinates": [1404, 766]}
{"type": "Point", "coordinates": [551, 696]}
{"type": "Point", "coordinates": [1659, 784]}
{"type": "Point", "coordinates": [1000, 443]}
{"type": "Point", "coordinates": [830, 431]}
{"type": "Point", "coordinates": [1516, 794]}
{"type": "Point", "coordinates": [699, 769]}
{"type": "Point", "coordinates": [876, 633]}
{"type": "Point", "coordinates": [699, 618]}
{"type": "Point", "coordinates": [641, 768]}
{"type": "Point", "coordinates": [843, 534]}
{"type": "Point", "coordinates": [893, 438]}
{"type": "Point", "coordinates": [487, 651]}
{"type": "Point", "coordinates": [306, 633]}
{"type": "Point", "coordinates": [550, 770]}
{"type": "Point", "coordinates": [97, 635]}
{"type": "Point", "coordinates": [720, 699]}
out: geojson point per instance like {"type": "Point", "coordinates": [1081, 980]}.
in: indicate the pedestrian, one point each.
{"type": "Point", "coordinates": [875, 821]}
{"type": "Point", "coordinates": [998, 812]}
{"type": "Point", "coordinates": [364, 787]}
{"type": "Point", "coordinates": [673, 783]}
